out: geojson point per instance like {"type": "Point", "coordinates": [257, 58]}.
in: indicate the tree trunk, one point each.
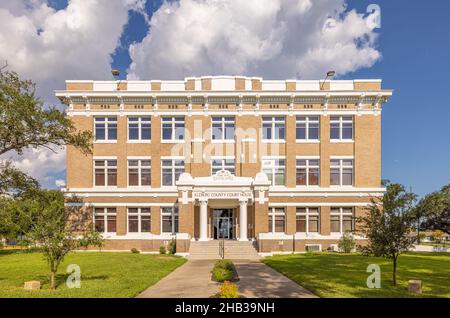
{"type": "Point", "coordinates": [52, 280]}
{"type": "Point", "coordinates": [394, 272]}
{"type": "Point", "coordinates": [418, 231]}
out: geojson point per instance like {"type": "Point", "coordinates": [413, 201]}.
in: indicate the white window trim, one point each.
{"type": "Point", "coordinates": [272, 167]}
{"type": "Point", "coordinates": [139, 122]}
{"type": "Point", "coordinates": [172, 122]}
{"type": "Point", "coordinates": [139, 214]}
{"type": "Point", "coordinates": [173, 159]}
{"type": "Point", "coordinates": [222, 123]}
{"type": "Point", "coordinates": [341, 167]}
{"type": "Point", "coordinates": [307, 214]}
{"type": "Point", "coordinates": [307, 122]}
{"type": "Point", "coordinates": [106, 122]}
{"type": "Point", "coordinates": [273, 121]}
{"type": "Point", "coordinates": [105, 167]}
{"type": "Point", "coordinates": [139, 167]}
{"type": "Point", "coordinates": [173, 219]}
{"type": "Point", "coordinates": [272, 213]}
{"type": "Point", "coordinates": [341, 121]}
{"type": "Point", "coordinates": [307, 171]}
{"type": "Point", "coordinates": [104, 214]}
{"type": "Point", "coordinates": [341, 214]}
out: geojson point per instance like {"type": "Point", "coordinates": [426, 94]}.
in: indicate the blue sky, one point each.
{"type": "Point", "coordinates": [414, 41]}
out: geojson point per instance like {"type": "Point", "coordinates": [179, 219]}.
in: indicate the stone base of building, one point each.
{"type": "Point", "coordinates": [299, 245]}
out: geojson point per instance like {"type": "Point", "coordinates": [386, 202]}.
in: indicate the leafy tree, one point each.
{"type": "Point", "coordinates": [387, 223]}
{"type": "Point", "coordinates": [58, 230]}
{"type": "Point", "coordinates": [15, 183]}
{"type": "Point", "coordinates": [436, 208]}
{"type": "Point", "coordinates": [25, 123]}
{"type": "Point", "coordinates": [437, 235]}
{"type": "Point", "coordinates": [347, 242]}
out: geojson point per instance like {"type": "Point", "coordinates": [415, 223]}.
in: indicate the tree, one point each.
{"type": "Point", "coordinates": [437, 235]}
{"type": "Point", "coordinates": [25, 123]}
{"type": "Point", "coordinates": [58, 230]}
{"type": "Point", "coordinates": [15, 183]}
{"type": "Point", "coordinates": [387, 223]}
{"type": "Point", "coordinates": [436, 208]}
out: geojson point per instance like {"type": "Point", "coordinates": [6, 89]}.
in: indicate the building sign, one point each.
{"type": "Point", "coordinates": [222, 195]}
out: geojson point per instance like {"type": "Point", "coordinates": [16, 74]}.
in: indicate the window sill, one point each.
{"type": "Point", "coordinates": [105, 142]}
{"type": "Point", "coordinates": [300, 141]}
{"type": "Point", "coordinates": [224, 141]}
{"type": "Point", "coordinates": [139, 141]}
{"type": "Point", "coordinates": [173, 141]}
{"type": "Point", "coordinates": [335, 141]}
{"type": "Point", "coordinates": [265, 141]}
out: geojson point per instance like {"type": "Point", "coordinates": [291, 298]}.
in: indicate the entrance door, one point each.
{"type": "Point", "coordinates": [223, 224]}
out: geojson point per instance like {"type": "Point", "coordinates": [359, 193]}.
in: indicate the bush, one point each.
{"type": "Point", "coordinates": [225, 264]}
{"type": "Point", "coordinates": [228, 290]}
{"type": "Point", "coordinates": [223, 270]}
{"type": "Point", "coordinates": [1, 245]}
{"type": "Point", "coordinates": [135, 250]}
{"type": "Point", "coordinates": [162, 249]}
{"type": "Point", "coordinates": [347, 243]}
{"type": "Point", "coordinates": [172, 248]}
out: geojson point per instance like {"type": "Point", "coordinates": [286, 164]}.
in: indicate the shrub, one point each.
{"type": "Point", "coordinates": [228, 290]}
{"type": "Point", "coordinates": [135, 250]}
{"type": "Point", "coordinates": [221, 274]}
{"type": "Point", "coordinates": [172, 248]}
{"type": "Point", "coordinates": [347, 243]}
{"type": "Point", "coordinates": [225, 264]}
{"type": "Point", "coordinates": [162, 249]}
{"type": "Point", "coordinates": [1, 245]}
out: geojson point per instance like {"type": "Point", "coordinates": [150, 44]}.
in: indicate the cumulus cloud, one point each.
{"type": "Point", "coordinates": [50, 46]}
{"type": "Point", "coordinates": [270, 38]}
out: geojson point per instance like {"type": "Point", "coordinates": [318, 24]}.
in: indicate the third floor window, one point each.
{"type": "Point", "coordinates": [341, 128]}
{"type": "Point", "coordinates": [173, 128]}
{"type": "Point", "coordinates": [139, 129]}
{"type": "Point", "coordinates": [105, 128]}
{"type": "Point", "coordinates": [307, 128]}
{"type": "Point", "coordinates": [273, 128]}
{"type": "Point", "coordinates": [222, 128]}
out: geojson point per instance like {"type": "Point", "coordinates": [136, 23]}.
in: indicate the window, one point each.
{"type": "Point", "coordinates": [307, 172]}
{"type": "Point", "coordinates": [169, 220]}
{"type": "Point", "coordinates": [341, 172]}
{"type": "Point", "coordinates": [222, 164]}
{"type": "Point", "coordinates": [307, 128]}
{"type": "Point", "coordinates": [222, 128]}
{"type": "Point", "coordinates": [105, 173]}
{"type": "Point", "coordinates": [139, 172]}
{"type": "Point", "coordinates": [105, 220]}
{"type": "Point", "coordinates": [342, 220]}
{"type": "Point", "coordinates": [341, 128]}
{"type": "Point", "coordinates": [276, 220]}
{"type": "Point", "coordinates": [139, 220]}
{"type": "Point", "coordinates": [172, 128]}
{"type": "Point", "coordinates": [171, 170]}
{"type": "Point", "coordinates": [139, 129]}
{"type": "Point", "coordinates": [307, 220]}
{"type": "Point", "coordinates": [273, 128]}
{"type": "Point", "coordinates": [275, 170]}
{"type": "Point", "coordinates": [105, 128]}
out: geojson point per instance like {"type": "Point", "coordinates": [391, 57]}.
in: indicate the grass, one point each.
{"type": "Point", "coordinates": [435, 244]}
{"type": "Point", "coordinates": [102, 274]}
{"type": "Point", "coordinates": [344, 275]}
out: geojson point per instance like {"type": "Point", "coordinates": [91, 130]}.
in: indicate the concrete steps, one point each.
{"type": "Point", "coordinates": [233, 250]}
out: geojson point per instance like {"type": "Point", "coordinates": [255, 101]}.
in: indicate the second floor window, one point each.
{"type": "Point", "coordinates": [341, 172]}
{"type": "Point", "coordinates": [307, 172]}
{"type": "Point", "coordinates": [172, 128]}
{"type": "Point", "coordinates": [171, 171]}
{"type": "Point", "coordinates": [222, 164]}
{"type": "Point", "coordinates": [139, 220]}
{"type": "Point", "coordinates": [342, 220]}
{"type": "Point", "coordinates": [105, 220]}
{"type": "Point", "coordinates": [275, 169]}
{"type": "Point", "coordinates": [139, 129]}
{"type": "Point", "coordinates": [341, 128]}
{"type": "Point", "coordinates": [277, 220]}
{"type": "Point", "coordinates": [222, 128]}
{"type": "Point", "coordinates": [307, 220]}
{"type": "Point", "coordinates": [169, 220]}
{"type": "Point", "coordinates": [273, 128]}
{"type": "Point", "coordinates": [307, 128]}
{"type": "Point", "coordinates": [105, 173]}
{"type": "Point", "coordinates": [139, 172]}
{"type": "Point", "coordinates": [105, 128]}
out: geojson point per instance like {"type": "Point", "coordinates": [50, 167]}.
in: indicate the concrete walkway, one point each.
{"type": "Point", "coordinates": [192, 280]}
{"type": "Point", "coordinates": [257, 280]}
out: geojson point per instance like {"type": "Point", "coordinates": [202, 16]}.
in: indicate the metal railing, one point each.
{"type": "Point", "coordinates": [222, 248]}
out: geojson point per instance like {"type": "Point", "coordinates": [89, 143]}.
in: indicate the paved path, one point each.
{"type": "Point", "coordinates": [257, 280]}
{"type": "Point", "coordinates": [192, 280]}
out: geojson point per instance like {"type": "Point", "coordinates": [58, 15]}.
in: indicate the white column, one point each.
{"type": "Point", "coordinates": [203, 220]}
{"type": "Point", "coordinates": [243, 220]}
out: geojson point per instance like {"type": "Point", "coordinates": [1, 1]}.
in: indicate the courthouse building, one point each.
{"type": "Point", "coordinates": [287, 165]}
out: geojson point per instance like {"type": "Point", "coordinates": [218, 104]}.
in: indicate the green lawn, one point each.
{"type": "Point", "coordinates": [102, 274]}
{"type": "Point", "coordinates": [344, 275]}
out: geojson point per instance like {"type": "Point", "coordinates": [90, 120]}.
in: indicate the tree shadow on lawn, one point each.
{"type": "Point", "coordinates": [62, 278]}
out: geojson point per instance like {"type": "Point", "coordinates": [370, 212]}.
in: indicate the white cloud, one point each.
{"type": "Point", "coordinates": [50, 46]}
{"type": "Point", "coordinates": [270, 38]}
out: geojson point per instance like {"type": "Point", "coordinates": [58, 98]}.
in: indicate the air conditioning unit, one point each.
{"type": "Point", "coordinates": [313, 247]}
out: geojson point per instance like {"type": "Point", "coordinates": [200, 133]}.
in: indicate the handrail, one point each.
{"type": "Point", "coordinates": [222, 248]}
